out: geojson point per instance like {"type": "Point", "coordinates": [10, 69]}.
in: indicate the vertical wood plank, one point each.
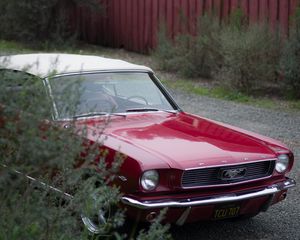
{"type": "Point", "coordinates": [208, 6]}
{"type": "Point", "coordinates": [293, 6]}
{"type": "Point", "coordinates": [218, 8]}
{"type": "Point", "coordinates": [284, 16]}
{"type": "Point", "coordinates": [199, 13]}
{"type": "Point", "coordinates": [83, 25]}
{"type": "Point", "coordinates": [253, 11]}
{"type": "Point", "coordinates": [129, 28]}
{"type": "Point", "coordinates": [93, 27]}
{"type": "Point", "coordinates": [185, 28]}
{"type": "Point", "coordinates": [162, 4]}
{"type": "Point", "coordinates": [273, 17]}
{"type": "Point", "coordinates": [226, 5]}
{"type": "Point", "coordinates": [161, 11]}
{"type": "Point", "coordinates": [117, 24]}
{"type": "Point", "coordinates": [234, 5]}
{"type": "Point", "coordinates": [99, 26]}
{"type": "Point", "coordinates": [106, 24]}
{"type": "Point", "coordinates": [192, 17]}
{"type": "Point", "coordinates": [104, 34]}
{"type": "Point", "coordinates": [88, 24]}
{"type": "Point", "coordinates": [135, 25]}
{"type": "Point", "coordinates": [263, 11]}
{"type": "Point", "coordinates": [244, 5]}
{"type": "Point", "coordinates": [154, 21]}
{"type": "Point", "coordinates": [170, 20]}
{"type": "Point", "coordinates": [176, 16]}
{"type": "Point", "coordinates": [123, 23]}
{"type": "Point", "coordinates": [141, 20]}
{"type": "Point", "coordinates": [79, 18]}
{"type": "Point", "coordinates": [200, 6]}
{"type": "Point", "coordinates": [147, 41]}
{"type": "Point", "coordinates": [113, 23]}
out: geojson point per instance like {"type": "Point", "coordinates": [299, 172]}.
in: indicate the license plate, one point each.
{"type": "Point", "coordinates": [226, 212]}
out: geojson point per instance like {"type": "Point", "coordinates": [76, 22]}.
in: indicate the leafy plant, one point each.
{"type": "Point", "coordinates": [40, 21]}
{"type": "Point", "coordinates": [238, 55]}
{"type": "Point", "coordinates": [42, 194]}
{"type": "Point", "coordinates": [164, 53]}
{"type": "Point", "coordinates": [191, 56]}
{"type": "Point", "coordinates": [156, 231]}
{"type": "Point", "coordinates": [290, 60]}
{"type": "Point", "coordinates": [250, 57]}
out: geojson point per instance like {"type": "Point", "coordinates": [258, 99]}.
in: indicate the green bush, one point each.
{"type": "Point", "coordinates": [165, 51]}
{"type": "Point", "coordinates": [30, 20]}
{"type": "Point", "coordinates": [190, 56]}
{"type": "Point", "coordinates": [250, 57]}
{"type": "Point", "coordinates": [238, 55]}
{"type": "Point", "coordinates": [39, 21]}
{"type": "Point", "coordinates": [290, 61]}
{"type": "Point", "coordinates": [30, 145]}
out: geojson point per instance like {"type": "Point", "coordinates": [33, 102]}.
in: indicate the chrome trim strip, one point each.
{"type": "Point", "coordinates": [48, 87]}
{"type": "Point", "coordinates": [228, 184]}
{"type": "Point", "coordinates": [101, 71]}
{"type": "Point", "coordinates": [273, 189]}
{"type": "Point", "coordinates": [42, 184]}
{"type": "Point", "coordinates": [231, 164]}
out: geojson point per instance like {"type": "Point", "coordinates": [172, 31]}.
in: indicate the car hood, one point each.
{"type": "Point", "coordinates": [180, 141]}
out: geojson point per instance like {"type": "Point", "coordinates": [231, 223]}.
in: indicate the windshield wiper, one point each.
{"type": "Point", "coordinates": [149, 110]}
{"type": "Point", "coordinates": [141, 109]}
{"type": "Point", "coordinates": [92, 114]}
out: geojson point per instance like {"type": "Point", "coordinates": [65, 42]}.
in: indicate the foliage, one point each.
{"type": "Point", "coordinates": [39, 20]}
{"type": "Point", "coordinates": [42, 150]}
{"type": "Point", "coordinates": [156, 231]}
{"type": "Point", "coordinates": [189, 55]}
{"type": "Point", "coordinates": [31, 145]}
{"type": "Point", "coordinates": [250, 57]}
{"type": "Point", "coordinates": [164, 52]}
{"type": "Point", "coordinates": [236, 54]}
{"type": "Point", "coordinates": [290, 60]}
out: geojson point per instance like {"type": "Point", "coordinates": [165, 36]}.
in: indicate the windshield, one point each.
{"type": "Point", "coordinates": [103, 93]}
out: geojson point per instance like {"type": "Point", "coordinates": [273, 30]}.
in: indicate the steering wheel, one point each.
{"type": "Point", "coordinates": [103, 104]}
{"type": "Point", "coordinates": [138, 98]}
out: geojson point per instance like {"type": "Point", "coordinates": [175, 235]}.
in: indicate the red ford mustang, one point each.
{"type": "Point", "coordinates": [199, 168]}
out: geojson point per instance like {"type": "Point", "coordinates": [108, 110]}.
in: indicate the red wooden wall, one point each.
{"type": "Point", "coordinates": [133, 24]}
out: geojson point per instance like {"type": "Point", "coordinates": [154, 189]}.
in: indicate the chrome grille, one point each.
{"type": "Point", "coordinates": [211, 176]}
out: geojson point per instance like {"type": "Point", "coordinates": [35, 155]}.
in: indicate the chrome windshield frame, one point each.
{"type": "Point", "coordinates": [156, 81]}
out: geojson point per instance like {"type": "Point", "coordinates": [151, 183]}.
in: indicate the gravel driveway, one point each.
{"type": "Point", "coordinates": [281, 221]}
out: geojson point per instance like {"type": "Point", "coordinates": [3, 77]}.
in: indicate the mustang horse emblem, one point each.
{"type": "Point", "coordinates": [230, 174]}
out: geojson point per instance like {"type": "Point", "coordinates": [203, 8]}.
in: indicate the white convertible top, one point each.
{"type": "Point", "coordinates": [45, 64]}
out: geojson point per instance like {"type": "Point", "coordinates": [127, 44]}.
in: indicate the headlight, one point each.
{"type": "Point", "coordinates": [282, 163]}
{"type": "Point", "coordinates": [149, 180]}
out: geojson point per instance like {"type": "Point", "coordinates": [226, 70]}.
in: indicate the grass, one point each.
{"type": "Point", "coordinates": [191, 86]}
{"type": "Point", "coordinates": [172, 81]}
{"type": "Point", "coordinates": [11, 47]}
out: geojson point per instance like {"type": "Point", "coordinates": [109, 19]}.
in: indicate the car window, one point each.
{"type": "Point", "coordinates": [106, 92]}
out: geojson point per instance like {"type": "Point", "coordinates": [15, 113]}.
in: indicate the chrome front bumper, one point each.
{"type": "Point", "coordinates": [269, 191]}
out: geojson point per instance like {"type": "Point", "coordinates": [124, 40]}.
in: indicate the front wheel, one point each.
{"type": "Point", "coordinates": [95, 224]}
